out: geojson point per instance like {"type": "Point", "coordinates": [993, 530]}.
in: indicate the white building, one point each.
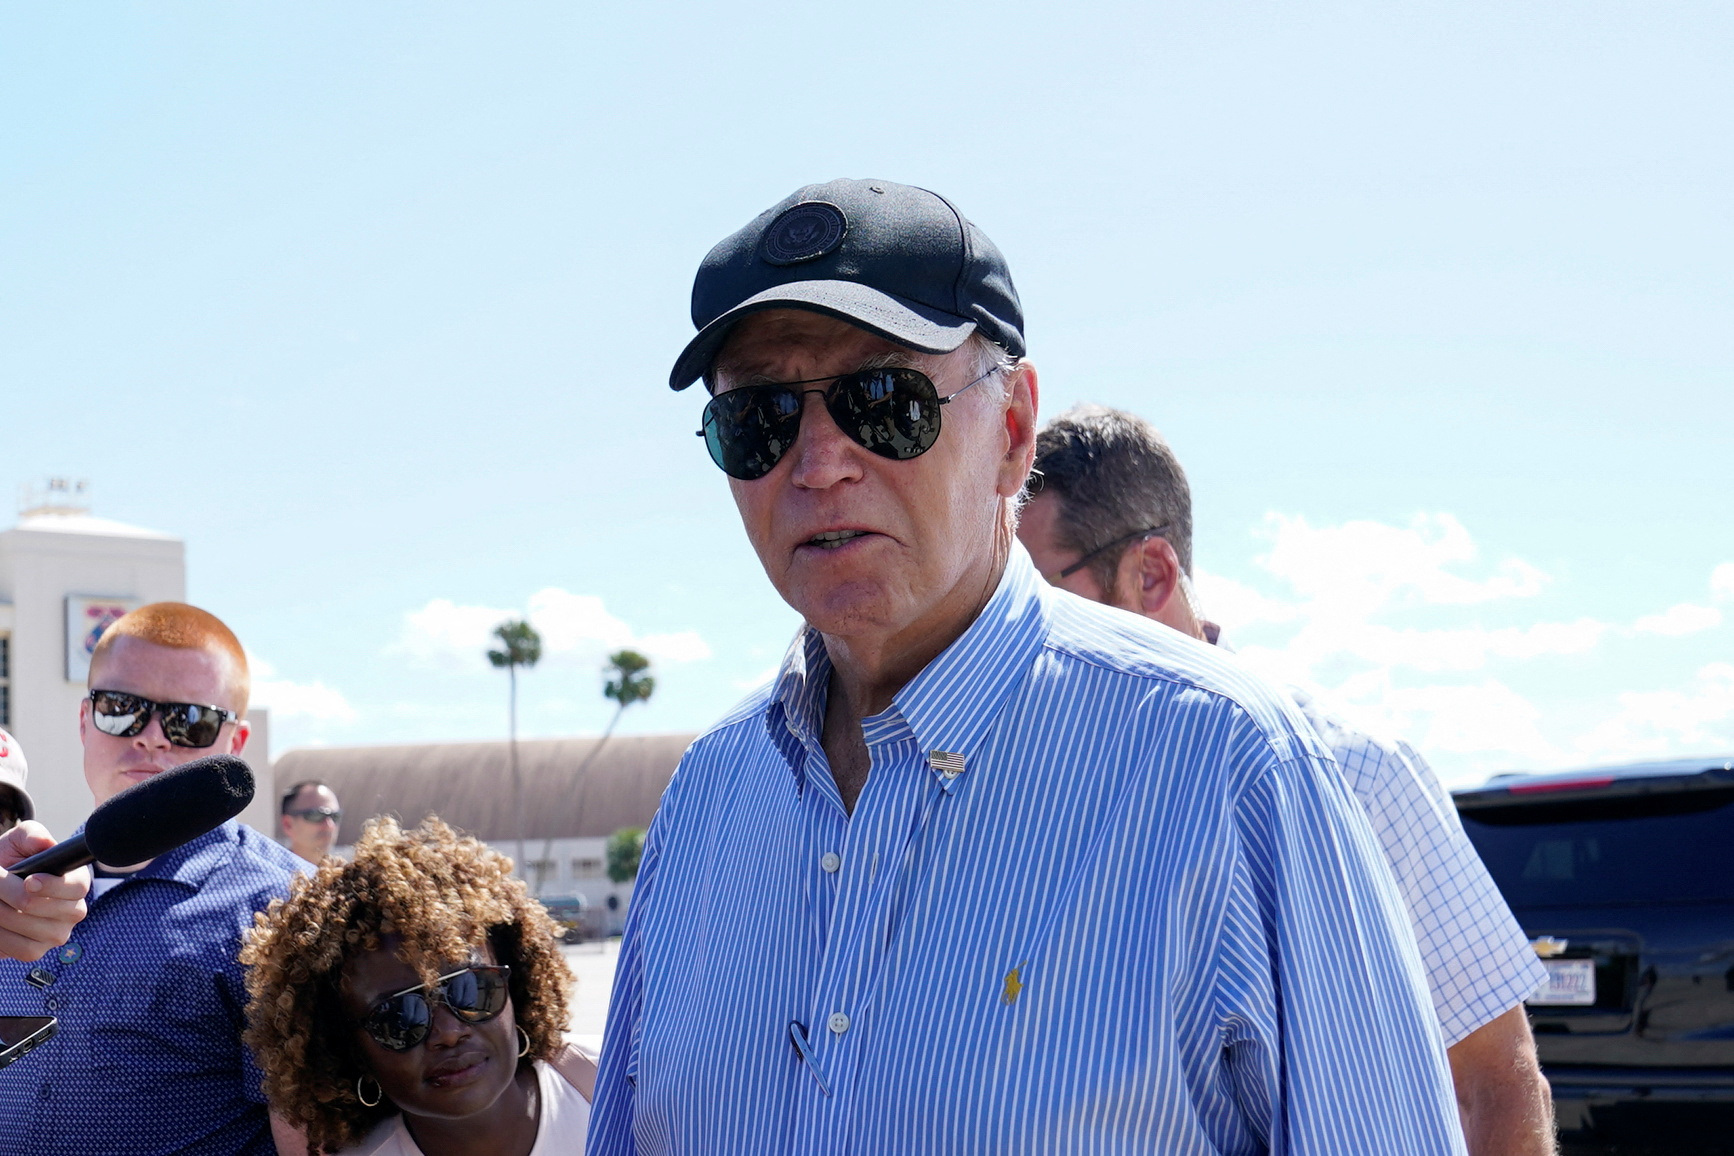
{"type": "Point", "coordinates": [64, 575]}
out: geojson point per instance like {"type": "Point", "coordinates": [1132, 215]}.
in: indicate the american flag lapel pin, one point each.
{"type": "Point", "coordinates": [949, 764]}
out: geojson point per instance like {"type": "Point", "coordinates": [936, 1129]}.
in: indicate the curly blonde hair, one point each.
{"type": "Point", "coordinates": [441, 894]}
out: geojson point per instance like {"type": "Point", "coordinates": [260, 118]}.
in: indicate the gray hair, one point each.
{"type": "Point", "coordinates": [1113, 475]}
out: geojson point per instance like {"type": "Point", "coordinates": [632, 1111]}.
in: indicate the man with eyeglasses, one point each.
{"type": "Point", "coordinates": [310, 820]}
{"type": "Point", "coordinates": [148, 1057]}
{"type": "Point", "coordinates": [987, 867]}
{"type": "Point", "coordinates": [1111, 520]}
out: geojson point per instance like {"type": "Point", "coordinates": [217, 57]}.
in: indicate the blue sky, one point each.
{"type": "Point", "coordinates": [373, 305]}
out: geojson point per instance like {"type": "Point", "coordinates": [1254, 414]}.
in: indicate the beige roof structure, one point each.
{"type": "Point", "coordinates": [573, 788]}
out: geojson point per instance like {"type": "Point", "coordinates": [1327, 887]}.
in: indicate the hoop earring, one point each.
{"type": "Point", "coordinates": [525, 1050]}
{"type": "Point", "coordinates": [378, 1095]}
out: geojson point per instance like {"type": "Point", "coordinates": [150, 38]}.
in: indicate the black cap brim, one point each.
{"type": "Point", "coordinates": [894, 318]}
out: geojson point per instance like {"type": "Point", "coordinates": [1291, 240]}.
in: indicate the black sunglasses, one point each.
{"type": "Point", "coordinates": [316, 814]}
{"type": "Point", "coordinates": [892, 411]}
{"type": "Point", "coordinates": [185, 724]}
{"type": "Point", "coordinates": [1135, 535]}
{"type": "Point", "coordinates": [402, 1020]}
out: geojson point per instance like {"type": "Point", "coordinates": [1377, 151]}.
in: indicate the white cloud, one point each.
{"type": "Point", "coordinates": [286, 699]}
{"type": "Point", "coordinates": [1662, 723]}
{"type": "Point", "coordinates": [1722, 582]}
{"type": "Point", "coordinates": [1686, 618]}
{"type": "Point", "coordinates": [1370, 564]}
{"type": "Point", "coordinates": [1237, 604]}
{"type": "Point", "coordinates": [1361, 612]}
{"type": "Point", "coordinates": [576, 630]}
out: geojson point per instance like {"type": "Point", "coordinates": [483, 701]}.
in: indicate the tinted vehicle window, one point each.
{"type": "Point", "coordinates": [1673, 848]}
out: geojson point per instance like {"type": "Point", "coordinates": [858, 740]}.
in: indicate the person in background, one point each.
{"type": "Point", "coordinates": [310, 819]}
{"type": "Point", "coordinates": [148, 1057]}
{"type": "Point", "coordinates": [38, 913]}
{"type": "Point", "coordinates": [412, 1002]}
{"type": "Point", "coordinates": [1111, 519]}
{"type": "Point", "coordinates": [15, 804]}
{"type": "Point", "coordinates": [986, 867]}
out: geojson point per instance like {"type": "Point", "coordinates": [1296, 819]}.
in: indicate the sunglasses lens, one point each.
{"type": "Point", "coordinates": [477, 995]}
{"type": "Point", "coordinates": [187, 725]}
{"type": "Point", "coordinates": [119, 714]}
{"type": "Point", "coordinates": [401, 1022]}
{"type": "Point", "coordinates": [748, 430]}
{"type": "Point", "coordinates": [893, 412]}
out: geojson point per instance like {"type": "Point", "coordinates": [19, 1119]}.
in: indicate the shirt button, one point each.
{"type": "Point", "coordinates": [838, 1023]}
{"type": "Point", "coordinates": [830, 861]}
{"type": "Point", "coordinates": [53, 1004]}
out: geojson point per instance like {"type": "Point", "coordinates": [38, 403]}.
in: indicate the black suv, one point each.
{"type": "Point", "coordinates": [1623, 877]}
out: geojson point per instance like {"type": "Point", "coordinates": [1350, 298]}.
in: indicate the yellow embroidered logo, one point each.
{"type": "Point", "coordinates": [1014, 986]}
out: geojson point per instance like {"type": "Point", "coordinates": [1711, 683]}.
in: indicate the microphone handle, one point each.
{"type": "Point", "coordinates": [57, 860]}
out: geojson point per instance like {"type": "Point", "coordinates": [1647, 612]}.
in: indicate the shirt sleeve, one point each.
{"type": "Point", "coordinates": [1479, 963]}
{"type": "Point", "coordinates": [613, 1110]}
{"type": "Point", "coordinates": [1330, 1043]}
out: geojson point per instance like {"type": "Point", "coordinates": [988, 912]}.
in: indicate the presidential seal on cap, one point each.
{"type": "Point", "coordinates": [892, 259]}
{"type": "Point", "coordinates": [13, 771]}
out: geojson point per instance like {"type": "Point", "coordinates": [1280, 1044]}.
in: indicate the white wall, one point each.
{"type": "Point", "coordinates": [42, 560]}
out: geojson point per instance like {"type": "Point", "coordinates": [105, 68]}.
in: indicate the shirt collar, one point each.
{"type": "Point", "coordinates": [950, 705]}
{"type": "Point", "coordinates": [191, 863]}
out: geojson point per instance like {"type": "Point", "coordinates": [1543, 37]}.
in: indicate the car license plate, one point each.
{"type": "Point", "coordinates": [1569, 981]}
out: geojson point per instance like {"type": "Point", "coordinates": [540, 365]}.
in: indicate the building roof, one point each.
{"type": "Point", "coordinates": [70, 523]}
{"type": "Point", "coordinates": [572, 787]}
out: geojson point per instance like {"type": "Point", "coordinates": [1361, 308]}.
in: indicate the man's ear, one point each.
{"type": "Point", "coordinates": [1021, 409]}
{"type": "Point", "coordinates": [243, 731]}
{"type": "Point", "coordinates": [1158, 578]}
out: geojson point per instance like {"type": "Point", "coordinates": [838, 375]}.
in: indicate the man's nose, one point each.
{"type": "Point", "coordinates": [823, 454]}
{"type": "Point", "coordinates": [153, 735]}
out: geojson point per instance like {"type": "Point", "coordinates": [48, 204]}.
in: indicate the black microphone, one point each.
{"type": "Point", "coordinates": [153, 817]}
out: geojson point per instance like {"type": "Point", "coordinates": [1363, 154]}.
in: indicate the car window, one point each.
{"type": "Point", "coordinates": [1665, 848]}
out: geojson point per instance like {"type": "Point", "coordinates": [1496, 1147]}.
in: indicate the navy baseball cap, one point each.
{"type": "Point", "coordinates": [895, 260]}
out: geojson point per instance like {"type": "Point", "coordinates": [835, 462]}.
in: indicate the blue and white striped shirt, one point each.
{"type": "Point", "coordinates": [1103, 892]}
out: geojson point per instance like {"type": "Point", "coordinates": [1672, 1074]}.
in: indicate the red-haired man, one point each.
{"type": "Point", "coordinates": [147, 990]}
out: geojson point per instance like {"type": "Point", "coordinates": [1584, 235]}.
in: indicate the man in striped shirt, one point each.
{"type": "Point", "coordinates": [987, 868]}
{"type": "Point", "coordinates": [1111, 520]}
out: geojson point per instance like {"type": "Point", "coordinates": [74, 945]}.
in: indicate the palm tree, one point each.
{"type": "Point", "coordinates": [625, 680]}
{"type": "Point", "coordinates": [629, 683]}
{"type": "Point", "coordinates": [521, 646]}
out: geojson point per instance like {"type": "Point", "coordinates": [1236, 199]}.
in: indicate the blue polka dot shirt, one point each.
{"type": "Point", "coordinates": [150, 999]}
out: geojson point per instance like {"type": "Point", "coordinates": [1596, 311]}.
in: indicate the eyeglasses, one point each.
{"type": "Point", "coordinates": [1135, 535]}
{"type": "Point", "coordinates": [893, 412]}
{"type": "Point", "coordinates": [185, 724]}
{"type": "Point", "coordinates": [402, 1020]}
{"type": "Point", "coordinates": [319, 814]}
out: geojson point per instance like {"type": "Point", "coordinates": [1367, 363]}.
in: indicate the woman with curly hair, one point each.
{"type": "Point", "coordinates": [412, 1002]}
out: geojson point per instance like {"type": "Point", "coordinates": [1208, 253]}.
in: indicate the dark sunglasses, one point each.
{"type": "Point", "coordinates": [401, 1021]}
{"type": "Point", "coordinates": [1135, 535]}
{"type": "Point", "coordinates": [893, 412]}
{"type": "Point", "coordinates": [185, 724]}
{"type": "Point", "coordinates": [317, 814]}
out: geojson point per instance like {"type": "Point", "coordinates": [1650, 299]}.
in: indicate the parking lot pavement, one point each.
{"type": "Point", "coordinates": [593, 964]}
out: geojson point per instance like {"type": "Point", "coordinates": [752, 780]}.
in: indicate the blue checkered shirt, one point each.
{"type": "Point", "coordinates": [148, 1057]}
{"type": "Point", "coordinates": [1103, 892]}
{"type": "Point", "coordinates": [1479, 962]}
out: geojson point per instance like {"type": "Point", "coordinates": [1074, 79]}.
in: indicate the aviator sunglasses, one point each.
{"type": "Point", "coordinates": [894, 412]}
{"type": "Point", "coordinates": [185, 724]}
{"type": "Point", "coordinates": [401, 1021]}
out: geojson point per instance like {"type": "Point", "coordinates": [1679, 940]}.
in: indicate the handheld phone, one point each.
{"type": "Point", "coordinates": [18, 1034]}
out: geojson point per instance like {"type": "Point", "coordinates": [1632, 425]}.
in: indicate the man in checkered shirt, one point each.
{"type": "Point", "coordinates": [1111, 519]}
